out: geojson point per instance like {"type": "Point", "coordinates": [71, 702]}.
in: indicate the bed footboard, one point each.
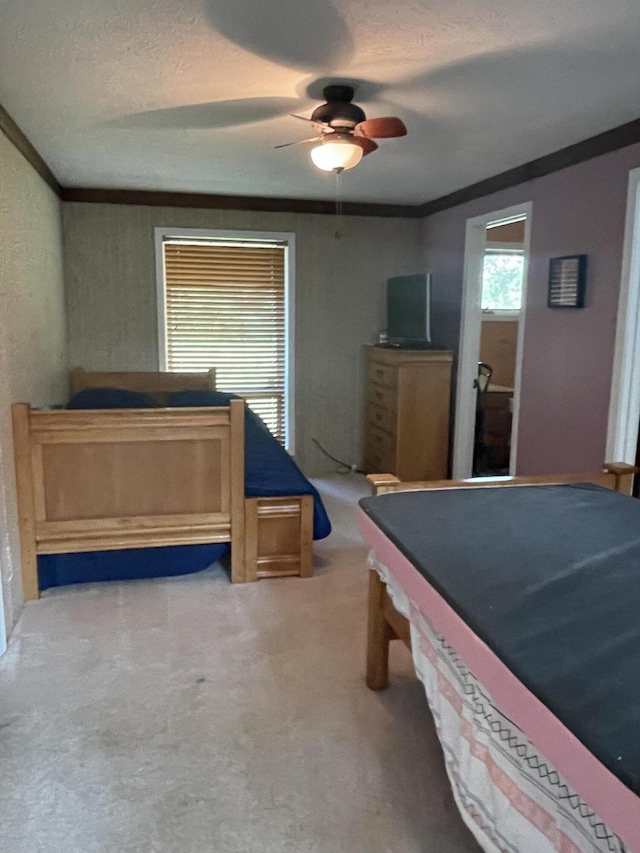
{"type": "Point", "coordinates": [128, 478]}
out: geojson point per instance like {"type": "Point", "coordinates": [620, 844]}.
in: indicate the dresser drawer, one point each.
{"type": "Point", "coordinates": [378, 463]}
{"type": "Point", "coordinates": [380, 451]}
{"type": "Point", "coordinates": [383, 374]}
{"type": "Point", "coordinates": [385, 398]}
{"type": "Point", "coordinates": [381, 418]}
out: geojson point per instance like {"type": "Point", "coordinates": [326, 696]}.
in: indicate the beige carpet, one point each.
{"type": "Point", "coordinates": [190, 715]}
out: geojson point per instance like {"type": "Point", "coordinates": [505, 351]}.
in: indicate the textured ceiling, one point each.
{"type": "Point", "coordinates": [194, 95]}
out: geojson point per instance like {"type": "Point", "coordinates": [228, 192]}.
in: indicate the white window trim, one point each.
{"type": "Point", "coordinates": [500, 314]}
{"type": "Point", "coordinates": [287, 237]}
{"type": "Point", "coordinates": [504, 249]}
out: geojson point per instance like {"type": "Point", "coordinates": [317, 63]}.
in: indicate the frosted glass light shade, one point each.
{"type": "Point", "coordinates": [336, 154]}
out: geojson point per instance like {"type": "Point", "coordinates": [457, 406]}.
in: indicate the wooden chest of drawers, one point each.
{"type": "Point", "coordinates": [407, 414]}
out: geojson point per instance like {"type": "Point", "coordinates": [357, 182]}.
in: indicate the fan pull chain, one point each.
{"type": "Point", "coordinates": [338, 172]}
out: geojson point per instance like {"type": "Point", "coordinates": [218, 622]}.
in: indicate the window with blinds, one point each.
{"type": "Point", "coordinates": [225, 307]}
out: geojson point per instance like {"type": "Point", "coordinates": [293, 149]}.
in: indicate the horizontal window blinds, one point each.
{"type": "Point", "coordinates": [225, 308]}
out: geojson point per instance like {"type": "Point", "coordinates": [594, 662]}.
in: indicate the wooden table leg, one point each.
{"type": "Point", "coordinates": [379, 634]}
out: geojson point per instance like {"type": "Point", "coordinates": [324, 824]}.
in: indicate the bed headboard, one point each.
{"type": "Point", "coordinates": [156, 383]}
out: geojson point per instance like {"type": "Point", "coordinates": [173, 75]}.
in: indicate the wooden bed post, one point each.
{"type": "Point", "coordinates": [306, 536]}
{"type": "Point", "coordinates": [624, 475]}
{"type": "Point", "coordinates": [236, 414]}
{"type": "Point", "coordinates": [26, 507]}
{"type": "Point", "coordinates": [382, 483]}
{"type": "Point", "coordinates": [379, 634]}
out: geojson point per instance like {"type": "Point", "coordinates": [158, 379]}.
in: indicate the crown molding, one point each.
{"type": "Point", "coordinates": [595, 146]}
{"type": "Point", "coordinates": [153, 198]}
{"type": "Point", "coordinates": [20, 141]}
{"type": "Point", "coordinates": [604, 143]}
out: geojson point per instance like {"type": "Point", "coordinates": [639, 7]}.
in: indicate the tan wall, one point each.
{"type": "Point", "coordinates": [32, 328]}
{"type": "Point", "coordinates": [498, 345]}
{"type": "Point", "coordinates": [111, 299]}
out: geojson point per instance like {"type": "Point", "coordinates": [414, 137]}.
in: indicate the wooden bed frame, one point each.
{"type": "Point", "coordinates": [157, 384]}
{"type": "Point", "coordinates": [384, 622]}
{"type": "Point", "coordinates": [91, 480]}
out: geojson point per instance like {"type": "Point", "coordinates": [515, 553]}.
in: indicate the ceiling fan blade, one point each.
{"type": "Point", "coordinates": [274, 29]}
{"type": "Point", "coordinates": [382, 128]}
{"type": "Point", "coordinates": [215, 114]}
{"type": "Point", "coordinates": [309, 120]}
{"type": "Point", "coordinates": [299, 142]}
{"type": "Point", "coordinates": [367, 145]}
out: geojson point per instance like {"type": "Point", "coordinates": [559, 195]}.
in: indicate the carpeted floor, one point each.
{"type": "Point", "coordinates": [191, 716]}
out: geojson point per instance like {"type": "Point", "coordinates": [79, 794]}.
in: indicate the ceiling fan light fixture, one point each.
{"type": "Point", "coordinates": [336, 153]}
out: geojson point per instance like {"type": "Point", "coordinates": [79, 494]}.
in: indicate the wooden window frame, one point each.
{"type": "Point", "coordinates": [288, 238]}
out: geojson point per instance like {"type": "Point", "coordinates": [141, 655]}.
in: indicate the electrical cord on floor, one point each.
{"type": "Point", "coordinates": [343, 467]}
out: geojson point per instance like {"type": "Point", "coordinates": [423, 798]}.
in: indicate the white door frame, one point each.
{"type": "Point", "coordinates": [624, 406]}
{"type": "Point", "coordinates": [465, 415]}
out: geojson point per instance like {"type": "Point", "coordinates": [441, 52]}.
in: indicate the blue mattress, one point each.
{"type": "Point", "coordinates": [269, 471]}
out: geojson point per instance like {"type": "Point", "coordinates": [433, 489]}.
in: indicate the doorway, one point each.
{"type": "Point", "coordinates": [492, 334]}
{"type": "Point", "coordinates": [624, 406]}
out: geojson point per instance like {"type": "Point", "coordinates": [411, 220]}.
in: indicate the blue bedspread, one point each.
{"type": "Point", "coordinates": [269, 470]}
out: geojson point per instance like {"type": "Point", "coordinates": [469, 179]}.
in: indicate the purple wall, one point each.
{"type": "Point", "coordinates": [568, 355]}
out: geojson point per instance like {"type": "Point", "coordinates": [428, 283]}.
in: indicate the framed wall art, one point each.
{"type": "Point", "coordinates": [567, 281]}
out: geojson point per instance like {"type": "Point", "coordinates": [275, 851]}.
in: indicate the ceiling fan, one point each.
{"type": "Point", "coordinates": [345, 134]}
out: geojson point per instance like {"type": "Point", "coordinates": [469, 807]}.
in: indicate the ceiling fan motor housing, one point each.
{"type": "Point", "coordinates": [338, 111]}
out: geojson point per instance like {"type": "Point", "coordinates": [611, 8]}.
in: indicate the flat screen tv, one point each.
{"type": "Point", "coordinates": [409, 310]}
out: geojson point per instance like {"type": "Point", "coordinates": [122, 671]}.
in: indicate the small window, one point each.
{"type": "Point", "coordinates": [502, 280]}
